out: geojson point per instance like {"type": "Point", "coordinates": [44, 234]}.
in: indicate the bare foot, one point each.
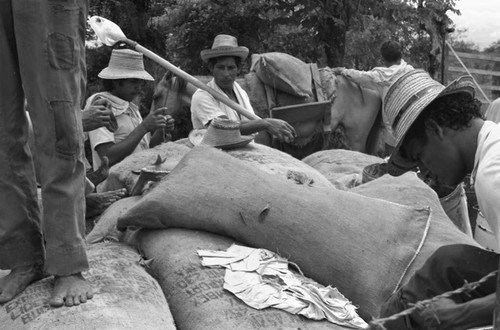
{"type": "Point", "coordinates": [96, 203]}
{"type": "Point", "coordinates": [70, 290]}
{"type": "Point", "coordinates": [17, 280]}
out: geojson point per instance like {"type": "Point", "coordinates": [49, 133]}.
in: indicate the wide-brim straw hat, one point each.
{"type": "Point", "coordinates": [222, 133]}
{"type": "Point", "coordinates": [224, 45]}
{"type": "Point", "coordinates": [125, 64]}
{"type": "Point", "coordinates": [409, 96]}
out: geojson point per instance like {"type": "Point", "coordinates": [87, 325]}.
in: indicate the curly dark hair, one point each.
{"type": "Point", "coordinates": [455, 111]}
{"type": "Point", "coordinates": [390, 51]}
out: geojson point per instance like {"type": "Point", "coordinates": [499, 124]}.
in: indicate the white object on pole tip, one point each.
{"type": "Point", "coordinates": [108, 32]}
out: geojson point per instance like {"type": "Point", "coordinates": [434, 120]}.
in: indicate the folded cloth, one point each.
{"type": "Point", "coordinates": [262, 279]}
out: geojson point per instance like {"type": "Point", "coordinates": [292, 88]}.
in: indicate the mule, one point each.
{"type": "Point", "coordinates": [354, 111]}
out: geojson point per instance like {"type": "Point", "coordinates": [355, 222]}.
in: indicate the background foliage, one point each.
{"type": "Point", "coordinates": [327, 32]}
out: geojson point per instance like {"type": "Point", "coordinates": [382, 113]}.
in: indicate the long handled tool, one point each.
{"type": "Point", "coordinates": [109, 33]}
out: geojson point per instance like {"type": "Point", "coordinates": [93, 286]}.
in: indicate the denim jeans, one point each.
{"type": "Point", "coordinates": [42, 60]}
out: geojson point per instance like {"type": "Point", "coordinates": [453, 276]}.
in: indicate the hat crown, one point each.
{"type": "Point", "coordinates": [224, 41]}
{"type": "Point", "coordinates": [126, 59]}
{"type": "Point", "coordinates": [123, 64]}
{"type": "Point", "coordinates": [224, 133]}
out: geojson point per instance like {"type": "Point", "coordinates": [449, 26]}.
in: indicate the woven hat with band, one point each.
{"type": "Point", "coordinates": [409, 96]}
{"type": "Point", "coordinates": [222, 133]}
{"type": "Point", "coordinates": [125, 64]}
{"type": "Point", "coordinates": [224, 45]}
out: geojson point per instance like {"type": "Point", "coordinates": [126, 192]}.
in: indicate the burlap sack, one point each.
{"type": "Point", "coordinates": [257, 94]}
{"type": "Point", "coordinates": [336, 237]}
{"type": "Point", "coordinates": [343, 168]}
{"type": "Point", "coordinates": [278, 163]}
{"type": "Point", "coordinates": [409, 190]}
{"type": "Point", "coordinates": [125, 173]}
{"type": "Point", "coordinates": [126, 297]}
{"type": "Point", "coordinates": [283, 72]}
{"type": "Point", "coordinates": [195, 293]}
{"type": "Point", "coordinates": [105, 227]}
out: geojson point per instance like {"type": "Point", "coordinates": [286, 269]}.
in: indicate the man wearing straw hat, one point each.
{"type": "Point", "coordinates": [442, 131]}
{"type": "Point", "coordinates": [123, 80]}
{"type": "Point", "coordinates": [43, 60]}
{"type": "Point", "coordinates": [224, 62]}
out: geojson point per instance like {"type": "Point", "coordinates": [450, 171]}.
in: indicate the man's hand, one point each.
{"type": "Point", "coordinates": [157, 119]}
{"type": "Point", "coordinates": [447, 314]}
{"type": "Point", "coordinates": [98, 115]}
{"type": "Point", "coordinates": [281, 129]}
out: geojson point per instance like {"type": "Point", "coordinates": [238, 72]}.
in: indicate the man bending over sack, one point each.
{"type": "Point", "coordinates": [123, 81]}
{"type": "Point", "coordinates": [224, 62]}
{"type": "Point", "coordinates": [441, 129]}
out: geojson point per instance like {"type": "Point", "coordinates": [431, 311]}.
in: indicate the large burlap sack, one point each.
{"type": "Point", "coordinates": [195, 293]}
{"type": "Point", "coordinates": [336, 237]}
{"type": "Point", "coordinates": [343, 168]}
{"type": "Point", "coordinates": [283, 72]}
{"type": "Point", "coordinates": [126, 297]}
{"type": "Point", "coordinates": [408, 189]}
{"type": "Point", "coordinates": [105, 227]}
{"type": "Point", "coordinates": [280, 164]}
{"type": "Point", "coordinates": [125, 173]}
{"type": "Point", "coordinates": [257, 94]}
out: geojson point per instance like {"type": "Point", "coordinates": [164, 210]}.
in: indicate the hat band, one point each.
{"type": "Point", "coordinates": [410, 101]}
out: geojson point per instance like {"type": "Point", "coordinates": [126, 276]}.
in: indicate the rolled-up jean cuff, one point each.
{"type": "Point", "coordinates": [64, 263]}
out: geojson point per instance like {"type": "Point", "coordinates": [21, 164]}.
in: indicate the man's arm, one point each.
{"type": "Point", "coordinates": [276, 127]}
{"type": "Point", "coordinates": [118, 151]}
{"type": "Point", "coordinates": [446, 314]}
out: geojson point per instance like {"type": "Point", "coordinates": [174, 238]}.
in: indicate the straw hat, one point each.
{"type": "Point", "coordinates": [222, 133]}
{"type": "Point", "coordinates": [409, 96]}
{"type": "Point", "coordinates": [125, 64]}
{"type": "Point", "coordinates": [224, 45]}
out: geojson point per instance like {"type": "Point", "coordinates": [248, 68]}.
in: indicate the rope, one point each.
{"type": "Point", "coordinates": [468, 72]}
{"type": "Point", "coordinates": [421, 305]}
{"type": "Point", "coordinates": [419, 248]}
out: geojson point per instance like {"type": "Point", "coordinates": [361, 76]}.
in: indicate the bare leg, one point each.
{"type": "Point", "coordinates": [96, 203]}
{"type": "Point", "coordinates": [17, 280]}
{"type": "Point", "coordinates": [71, 290]}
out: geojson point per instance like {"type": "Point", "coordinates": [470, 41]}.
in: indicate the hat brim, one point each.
{"type": "Point", "coordinates": [240, 51]}
{"type": "Point", "coordinates": [464, 84]}
{"type": "Point", "coordinates": [110, 73]}
{"type": "Point", "coordinates": [245, 139]}
{"type": "Point", "coordinates": [196, 139]}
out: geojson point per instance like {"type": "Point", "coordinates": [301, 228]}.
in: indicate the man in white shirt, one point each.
{"type": "Point", "coordinates": [380, 79]}
{"type": "Point", "coordinates": [224, 61]}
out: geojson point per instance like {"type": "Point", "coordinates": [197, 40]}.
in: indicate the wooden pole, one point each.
{"type": "Point", "coordinates": [184, 75]}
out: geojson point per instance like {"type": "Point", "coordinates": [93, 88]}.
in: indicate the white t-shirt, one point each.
{"type": "Point", "coordinates": [205, 107]}
{"type": "Point", "coordinates": [486, 175]}
{"type": "Point", "coordinates": [380, 79]}
{"type": "Point", "coordinates": [127, 117]}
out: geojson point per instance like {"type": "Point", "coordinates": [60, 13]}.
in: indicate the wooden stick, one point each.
{"type": "Point", "coordinates": [184, 75]}
{"type": "Point", "coordinates": [468, 72]}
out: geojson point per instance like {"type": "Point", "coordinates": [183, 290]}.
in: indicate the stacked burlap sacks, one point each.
{"type": "Point", "coordinates": [343, 168]}
{"type": "Point", "coordinates": [126, 173]}
{"type": "Point", "coordinates": [126, 297]}
{"type": "Point", "coordinates": [361, 245]}
{"type": "Point", "coordinates": [195, 293]}
{"type": "Point", "coordinates": [259, 156]}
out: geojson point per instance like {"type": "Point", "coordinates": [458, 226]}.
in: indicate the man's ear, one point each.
{"type": "Point", "coordinates": [433, 128]}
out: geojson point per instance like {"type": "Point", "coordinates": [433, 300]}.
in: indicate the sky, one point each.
{"type": "Point", "coordinates": [481, 18]}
